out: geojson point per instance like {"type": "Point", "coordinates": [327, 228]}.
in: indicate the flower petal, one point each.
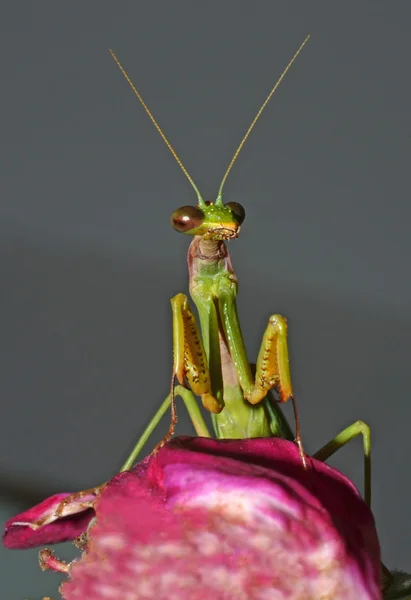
{"type": "Point", "coordinates": [233, 519]}
{"type": "Point", "coordinates": [54, 520]}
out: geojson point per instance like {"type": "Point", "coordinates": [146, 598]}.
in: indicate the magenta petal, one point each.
{"type": "Point", "coordinates": [331, 489]}
{"type": "Point", "coordinates": [21, 531]}
{"type": "Point", "coordinates": [229, 520]}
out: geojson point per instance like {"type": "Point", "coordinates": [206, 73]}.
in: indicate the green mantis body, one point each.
{"type": "Point", "coordinates": [215, 364]}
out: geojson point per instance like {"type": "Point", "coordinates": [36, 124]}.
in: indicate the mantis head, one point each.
{"type": "Point", "coordinates": [211, 221]}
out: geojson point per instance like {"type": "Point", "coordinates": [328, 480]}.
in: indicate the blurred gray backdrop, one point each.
{"type": "Point", "coordinates": [89, 260]}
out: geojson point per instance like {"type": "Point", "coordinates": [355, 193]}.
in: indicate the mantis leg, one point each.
{"type": "Point", "coordinates": [342, 438]}
{"type": "Point", "coordinates": [193, 411]}
{"type": "Point", "coordinates": [189, 363]}
{"type": "Point", "coordinates": [272, 368]}
{"type": "Point", "coordinates": [190, 360]}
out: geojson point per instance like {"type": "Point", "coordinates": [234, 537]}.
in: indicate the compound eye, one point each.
{"type": "Point", "coordinates": [186, 218]}
{"type": "Point", "coordinates": [237, 210]}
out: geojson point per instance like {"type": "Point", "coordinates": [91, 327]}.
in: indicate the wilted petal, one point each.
{"type": "Point", "coordinates": [229, 520]}
{"type": "Point", "coordinates": [58, 518]}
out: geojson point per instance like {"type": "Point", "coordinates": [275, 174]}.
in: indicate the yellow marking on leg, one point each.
{"type": "Point", "coordinates": [190, 361]}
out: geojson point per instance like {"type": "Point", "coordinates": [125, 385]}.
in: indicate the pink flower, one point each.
{"type": "Point", "coordinates": [221, 519]}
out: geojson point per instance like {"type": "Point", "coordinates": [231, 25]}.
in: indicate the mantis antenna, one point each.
{"type": "Point", "coordinates": [257, 116]}
{"type": "Point", "coordinates": [157, 126]}
{"type": "Point", "coordinates": [237, 152]}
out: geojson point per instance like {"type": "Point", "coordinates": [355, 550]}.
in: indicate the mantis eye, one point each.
{"type": "Point", "coordinates": [237, 210]}
{"type": "Point", "coordinates": [186, 218]}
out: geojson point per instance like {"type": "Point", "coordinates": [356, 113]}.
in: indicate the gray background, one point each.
{"type": "Point", "coordinates": [89, 260]}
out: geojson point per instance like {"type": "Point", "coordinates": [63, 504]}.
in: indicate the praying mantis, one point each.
{"type": "Point", "coordinates": [214, 363]}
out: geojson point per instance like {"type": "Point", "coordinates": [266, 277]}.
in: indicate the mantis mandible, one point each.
{"type": "Point", "coordinates": [215, 363]}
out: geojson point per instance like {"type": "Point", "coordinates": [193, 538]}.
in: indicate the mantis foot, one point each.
{"type": "Point", "coordinates": [174, 418]}
{"type": "Point", "coordinates": [302, 453]}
